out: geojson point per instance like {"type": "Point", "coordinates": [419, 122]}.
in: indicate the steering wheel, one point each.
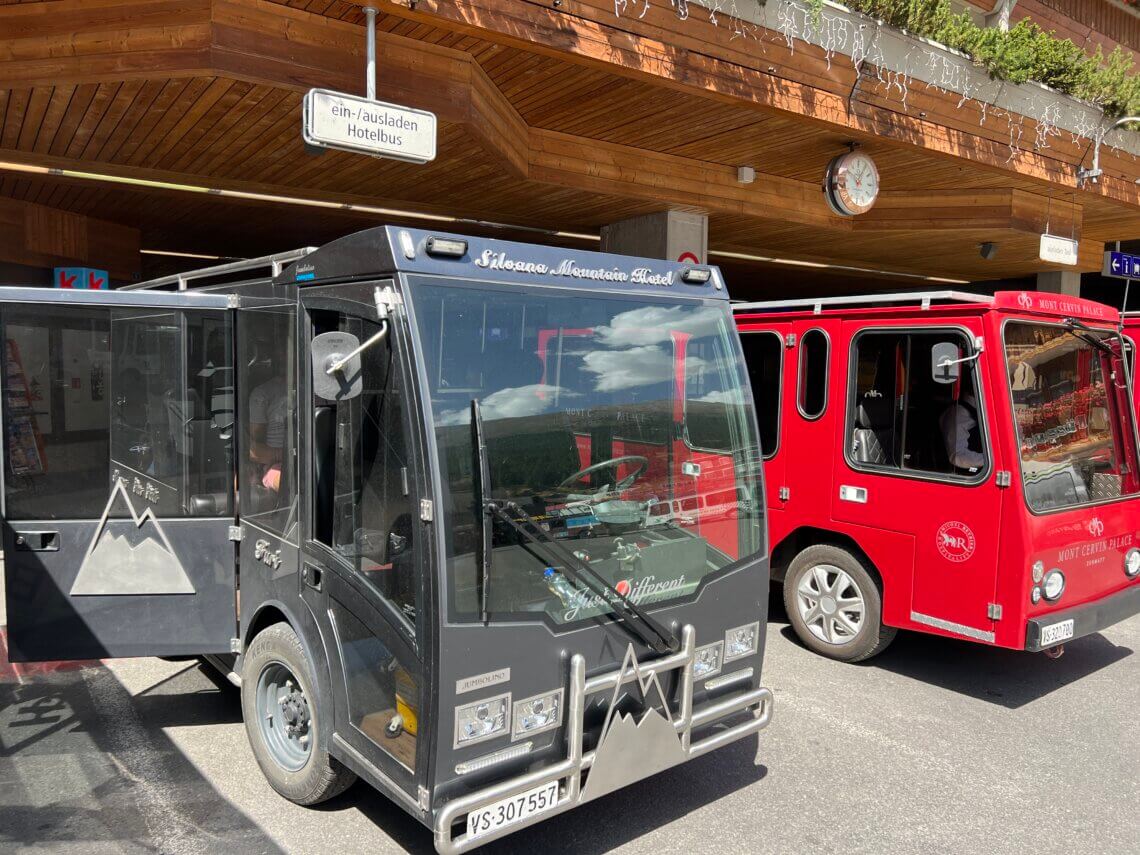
{"type": "Point", "coordinates": [614, 462]}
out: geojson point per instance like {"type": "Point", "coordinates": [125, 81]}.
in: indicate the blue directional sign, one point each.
{"type": "Point", "coordinates": [1122, 265]}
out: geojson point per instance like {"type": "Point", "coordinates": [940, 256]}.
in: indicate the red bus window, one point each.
{"type": "Point", "coordinates": [812, 391]}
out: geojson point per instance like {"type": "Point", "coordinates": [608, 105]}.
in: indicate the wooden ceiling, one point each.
{"type": "Point", "coordinates": [537, 135]}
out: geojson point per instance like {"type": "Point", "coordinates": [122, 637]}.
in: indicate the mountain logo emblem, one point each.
{"type": "Point", "coordinates": [630, 750]}
{"type": "Point", "coordinates": [117, 562]}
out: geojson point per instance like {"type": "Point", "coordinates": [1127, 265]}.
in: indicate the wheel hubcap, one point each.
{"type": "Point", "coordinates": [830, 604]}
{"type": "Point", "coordinates": [285, 719]}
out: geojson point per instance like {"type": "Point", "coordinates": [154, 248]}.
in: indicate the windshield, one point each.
{"type": "Point", "coordinates": [618, 424]}
{"type": "Point", "coordinates": [1071, 431]}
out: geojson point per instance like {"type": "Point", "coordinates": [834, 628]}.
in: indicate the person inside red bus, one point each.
{"type": "Point", "coordinates": [961, 432]}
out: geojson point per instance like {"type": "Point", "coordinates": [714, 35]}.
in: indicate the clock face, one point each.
{"type": "Point", "coordinates": [852, 184]}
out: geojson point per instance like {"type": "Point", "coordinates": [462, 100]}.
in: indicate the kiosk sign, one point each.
{"type": "Point", "coordinates": [351, 123]}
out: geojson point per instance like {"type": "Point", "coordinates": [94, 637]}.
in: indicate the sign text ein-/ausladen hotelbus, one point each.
{"type": "Point", "coordinates": [352, 123]}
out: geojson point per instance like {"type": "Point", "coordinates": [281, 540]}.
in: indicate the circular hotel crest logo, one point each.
{"type": "Point", "coordinates": [955, 541]}
{"type": "Point", "coordinates": [1024, 300]}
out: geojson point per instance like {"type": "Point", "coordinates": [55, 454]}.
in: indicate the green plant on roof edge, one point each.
{"type": "Point", "coordinates": [1022, 53]}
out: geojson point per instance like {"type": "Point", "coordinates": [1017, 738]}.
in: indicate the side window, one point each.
{"type": "Point", "coordinates": [764, 355]}
{"type": "Point", "coordinates": [171, 415]}
{"type": "Point", "coordinates": [815, 351]}
{"type": "Point", "coordinates": [363, 507]}
{"type": "Point", "coordinates": [57, 412]}
{"type": "Point", "coordinates": [93, 396]}
{"type": "Point", "coordinates": [267, 380]}
{"type": "Point", "coordinates": [904, 417]}
{"type": "Point", "coordinates": [712, 402]}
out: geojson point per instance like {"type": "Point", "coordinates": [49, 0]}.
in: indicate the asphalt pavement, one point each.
{"type": "Point", "coordinates": [935, 746]}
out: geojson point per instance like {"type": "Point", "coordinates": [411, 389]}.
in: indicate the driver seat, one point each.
{"type": "Point", "coordinates": [870, 441]}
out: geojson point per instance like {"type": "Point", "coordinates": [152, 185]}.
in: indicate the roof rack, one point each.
{"type": "Point", "coordinates": [925, 298]}
{"type": "Point", "coordinates": [276, 263]}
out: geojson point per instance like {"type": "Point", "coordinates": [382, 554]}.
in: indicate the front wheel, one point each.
{"type": "Point", "coordinates": [282, 719]}
{"type": "Point", "coordinates": [834, 604]}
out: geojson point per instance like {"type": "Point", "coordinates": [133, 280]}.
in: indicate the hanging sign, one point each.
{"type": "Point", "coordinates": [1121, 265]}
{"type": "Point", "coordinates": [351, 123]}
{"type": "Point", "coordinates": [1058, 250]}
{"type": "Point", "coordinates": [81, 277]}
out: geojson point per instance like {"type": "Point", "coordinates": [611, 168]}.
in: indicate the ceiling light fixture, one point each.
{"type": "Point", "coordinates": [172, 253]}
{"type": "Point", "coordinates": [246, 195]}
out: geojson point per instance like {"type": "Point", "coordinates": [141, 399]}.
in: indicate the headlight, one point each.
{"type": "Point", "coordinates": [481, 720]}
{"type": "Point", "coordinates": [534, 715]}
{"type": "Point", "coordinates": [1054, 584]}
{"type": "Point", "coordinates": [1038, 572]}
{"type": "Point", "coordinates": [706, 660]}
{"type": "Point", "coordinates": [741, 641]}
{"type": "Point", "coordinates": [1132, 562]}
{"type": "Point", "coordinates": [1035, 594]}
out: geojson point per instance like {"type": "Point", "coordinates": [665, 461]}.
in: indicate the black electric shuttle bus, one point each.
{"type": "Point", "coordinates": [479, 522]}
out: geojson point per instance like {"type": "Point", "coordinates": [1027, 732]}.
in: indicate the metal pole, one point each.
{"type": "Point", "coordinates": [370, 73]}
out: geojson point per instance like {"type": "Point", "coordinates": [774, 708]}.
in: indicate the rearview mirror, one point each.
{"type": "Point", "coordinates": [329, 350]}
{"type": "Point", "coordinates": [945, 365]}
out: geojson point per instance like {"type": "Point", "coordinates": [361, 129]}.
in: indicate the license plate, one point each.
{"type": "Point", "coordinates": [510, 811]}
{"type": "Point", "coordinates": [1056, 632]}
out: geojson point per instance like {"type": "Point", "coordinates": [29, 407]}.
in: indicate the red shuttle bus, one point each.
{"type": "Point", "coordinates": [946, 462]}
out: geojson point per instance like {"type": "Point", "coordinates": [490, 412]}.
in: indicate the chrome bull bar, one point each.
{"type": "Point", "coordinates": [569, 770]}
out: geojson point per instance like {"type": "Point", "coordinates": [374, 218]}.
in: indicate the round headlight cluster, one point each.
{"type": "Point", "coordinates": [1132, 563]}
{"type": "Point", "coordinates": [1054, 585]}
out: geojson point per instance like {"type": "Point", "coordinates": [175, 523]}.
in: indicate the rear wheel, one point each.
{"type": "Point", "coordinates": [282, 719]}
{"type": "Point", "coordinates": [835, 605]}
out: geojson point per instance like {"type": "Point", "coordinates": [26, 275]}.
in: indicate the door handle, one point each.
{"type": "Point", "coordinates": [847, 493]}
{"type": "Point", "coordinates": [312, 576]}
{"type": "Point", "coordinates": [37, 541]}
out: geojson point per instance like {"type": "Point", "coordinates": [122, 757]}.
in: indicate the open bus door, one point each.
{"type": "Point", "coordinates": [118, 473]}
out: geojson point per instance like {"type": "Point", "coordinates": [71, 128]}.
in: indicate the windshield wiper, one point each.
{"type": "Point", "coordinates": [1089, 337]}
{"type": "Point", "coordinates": [634, 619]}
{"type": "Point", "coordinates": [481, 479]}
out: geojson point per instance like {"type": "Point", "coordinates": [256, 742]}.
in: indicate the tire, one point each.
{"type": "Point", "coordinates": [283, 719]}
{"type": "Point", "coordinates": [836, 578]}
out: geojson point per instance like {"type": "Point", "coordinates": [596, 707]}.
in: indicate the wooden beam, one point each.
{"type": "Point", "coordinates": [587, 32]}
{"type": "Point", "coordinates": [557, 158]}
{"type": "Point", "coordinates": [970, 210]}
{"type": "Point", "coordinates": [269, 44]}
{"type": "Point", "coordinates": [40, 236]}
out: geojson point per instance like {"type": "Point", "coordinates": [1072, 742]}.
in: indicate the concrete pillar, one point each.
{"type": "Point", "coordinates": [1060, 282]}
{"type": "Point", "coordinates": [671, 235]}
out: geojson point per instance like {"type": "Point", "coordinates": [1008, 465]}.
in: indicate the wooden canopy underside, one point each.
{"type": "Point", "coordinates": [560, 120]}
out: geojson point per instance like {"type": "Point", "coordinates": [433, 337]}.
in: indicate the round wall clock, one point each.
{"type": "Point", "coordinates": [851, 184]}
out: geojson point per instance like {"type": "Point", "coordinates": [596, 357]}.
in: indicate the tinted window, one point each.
{"type": "Point", "coordinates": [903, 418]}
{"type": "Point", "coordinates": [362, 499]}
{"type": "Point", "coordinates": [98, 395]}
{"type": "Point", "coordinates": [814, 352]}
{"type": "Point", "coordinates": [268, 473]}
{"type": "Point", "coordinates": [763, 354]}
{"type": "Point", "coordinates": [57, 412]}
{"type": "Point", "coordinates": [584, 433]}
{"type": "Point", "coordinates": [711, 395]}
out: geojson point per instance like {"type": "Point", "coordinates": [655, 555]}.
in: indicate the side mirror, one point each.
{"type": "Point", "coordinates": [945, 364]}
{"type": "Point", "coordinates": [328, 351]}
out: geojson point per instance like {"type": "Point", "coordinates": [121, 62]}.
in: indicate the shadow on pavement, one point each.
{"type": "Point", "coordinates": [1008, 678]}
{"type": "Point", "coordinates": [87, 775]}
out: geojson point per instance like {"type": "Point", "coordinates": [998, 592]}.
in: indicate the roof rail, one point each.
{"type": "Point", "coordinates": [276, 263]}
{"type": "Point", "coordinates": [924, 298]}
